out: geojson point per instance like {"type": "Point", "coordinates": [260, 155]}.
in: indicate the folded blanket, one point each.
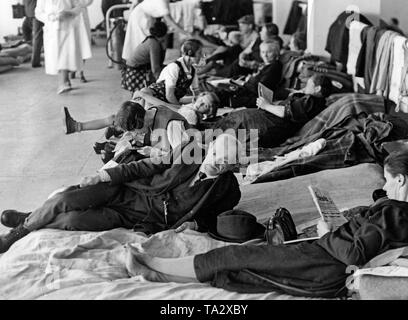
{"type": "Point", "coordinates": [254, 171]}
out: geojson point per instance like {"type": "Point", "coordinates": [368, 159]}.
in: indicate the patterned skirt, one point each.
{"type": "Point", "coordinates": [135, 78]}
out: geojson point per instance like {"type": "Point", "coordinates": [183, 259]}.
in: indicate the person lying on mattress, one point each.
{"type": "Point", "coordinates": [278, 122]}
{"type": "Point", "coordinates": [139, 125]}
{"type": "Point", "coordinates": [269, 73]}
{"type": "Point", "coordinates": [145, 195]}
{"type": "Point", "coordinates": [318, 268]}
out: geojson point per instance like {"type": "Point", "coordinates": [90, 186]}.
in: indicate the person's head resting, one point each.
{"type": "Point", "coordinates": [319, 86]}
{"type": "Point", "coordinates": [298, 41]}
{"type": "Point", "coordinates": [158, 30]}
{"type": "Point", "coordinates": [207, 103]}
{"type": "Point", "coordinates": [192, 49]}
{"type": "Point", "coordinates": [246, 24]}
{"type": "Point", "coordinates": [270, 51]}
{"type": "Point", "coordinates": [223, 155]}
{"type": "Point", "coordinates": [396, 176]}
{"type": "Point", "coordinates": [130, 116]}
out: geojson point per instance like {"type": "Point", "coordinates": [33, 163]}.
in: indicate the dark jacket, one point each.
{"type": "Point", "coordinates": [339, 35]}
{"type": "Point", "coordinates": [316, 269]}
{"type": "Point", "coordinates": [270, 76]}
{"type": "Point", "coordinates": [169, 181]}
{"type": "Point", "coordinates": [382, 227]}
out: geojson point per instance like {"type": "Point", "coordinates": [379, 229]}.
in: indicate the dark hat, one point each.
{"type": "Point", "coordinates": [248, 19]}
{"type": "Point", "coordinates": [237, 226]}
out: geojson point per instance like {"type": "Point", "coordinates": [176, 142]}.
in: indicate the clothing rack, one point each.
{"type": "Point", "coordinates": [390, 65]}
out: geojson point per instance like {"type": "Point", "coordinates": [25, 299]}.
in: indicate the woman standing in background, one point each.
{"type": "Point", "coordinates": [63, 49]}
{"type": "Point", "coordinates": [141, 18]}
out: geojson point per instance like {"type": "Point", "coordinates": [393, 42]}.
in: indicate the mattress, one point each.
{"type": "Point", "coordinates": [54, 264]}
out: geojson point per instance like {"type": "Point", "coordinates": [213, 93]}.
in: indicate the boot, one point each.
{"type": "Point", "coordinates": [6, 241]}
{"type": "Point", "coordinates": [70, 125]}
{"type": "Point", "coordinates": [13, 218]}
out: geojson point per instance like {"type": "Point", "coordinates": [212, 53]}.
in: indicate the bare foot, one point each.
{"type": "Point", "coordinates": [137, 263]}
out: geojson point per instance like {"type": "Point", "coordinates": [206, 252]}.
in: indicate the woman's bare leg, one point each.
{"type": "Point", "coordinates": [64, 84]}
{"type": "Point", "coordinates": [98, 123]}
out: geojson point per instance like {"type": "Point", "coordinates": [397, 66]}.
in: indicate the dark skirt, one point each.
{"type": "Point", "coordinates": [272, 130]}
{"type": "Point", "coordinates": [303, 269]}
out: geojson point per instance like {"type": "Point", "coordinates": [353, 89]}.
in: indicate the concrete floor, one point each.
{"type": "Point", "coordinates": [36, 156]}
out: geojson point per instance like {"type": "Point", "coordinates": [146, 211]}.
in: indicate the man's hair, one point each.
{"type": "Point", "coordinates": [300, 40]}
{"type": "Point", "coordinates": [397, 163]}
{"type": "Point", "coordinates": [130, 116]}
{"type": "Point", "coordinates": [326, 86]}
{"type": "Point", "coordinates": [190, 47]}
{"type": "Point", "coordinates": [395, 21]}
{"type": "Point", "coordinates": [158, 30]}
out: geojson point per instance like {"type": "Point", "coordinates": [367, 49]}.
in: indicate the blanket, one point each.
{"type": "Point", "coordinates": [50, 264]}
{"type": "Point", "coordinates": [354, 127]}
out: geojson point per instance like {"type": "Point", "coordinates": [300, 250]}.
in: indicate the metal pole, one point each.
{"type": "Point", "coordinates": [108, 27]}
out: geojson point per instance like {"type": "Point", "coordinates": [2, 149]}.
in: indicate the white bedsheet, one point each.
{"type": "Point", "coordinates": [53, 264]}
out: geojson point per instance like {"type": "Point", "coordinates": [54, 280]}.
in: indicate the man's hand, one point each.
{"type": "Point", "coordinates": [90, 181]}
{"type": "Point", "coordinates": [322, 228]}
{"type": "Point", "coordinates": [187, 226]}
{"type": "Point", "coordinates": [262, 104]}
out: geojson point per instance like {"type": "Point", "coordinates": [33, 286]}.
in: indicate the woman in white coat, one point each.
{"type": "Point", "coordinates": [85, 37]}
{"type": "Point", "coordinates": [142, 18]}
{"type": "Point", "coordinates": [62, 40]}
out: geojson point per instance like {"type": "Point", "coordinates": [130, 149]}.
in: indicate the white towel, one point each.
{"type": "Point", "coordinates": [355, 44]}
{"type": "Point", "coordinates": [398, 66]}
{"type": "Point", "coordinates": [254, 171]}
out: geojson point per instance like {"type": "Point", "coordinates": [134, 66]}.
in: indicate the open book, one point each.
{"type": "Point", "coordinates": [265, 92]}
{"type": "Point", "coordinates": [327, 210]}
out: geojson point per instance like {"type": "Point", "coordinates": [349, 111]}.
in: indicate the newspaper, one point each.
{"type": "Point", "coordinates": [327, 208]}
{"type": "Point", "coordinates": [328, 212]}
